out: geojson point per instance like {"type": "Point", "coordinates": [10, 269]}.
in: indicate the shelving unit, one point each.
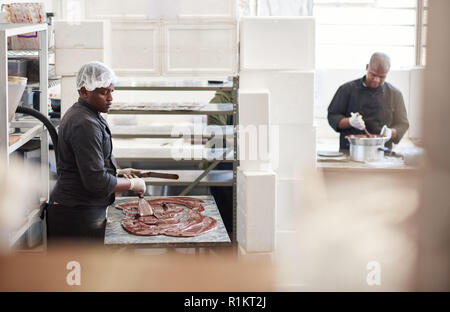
{"type": "Point", "coordinates": [206, 109]}
{"type": "Point", "coordinates": [32, 54]}
{"type": "Point", "coordinates": [31, 129]}
{"type": "Point", "coordinates": [188, 178]}
{"type": "Point", "coordinates": [148, 132]}
{"type": "Point", "coordinates": [166, 155]}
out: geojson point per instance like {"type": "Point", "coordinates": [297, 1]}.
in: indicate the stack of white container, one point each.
{"type": "Point", "coordinates": [278, 61]}
{"type": "Point", "coordinates": [189, 38]}
{"type": "Point", "coordinates": [76, 44]}
{"type": "Point", "coordinates": [149, 39]}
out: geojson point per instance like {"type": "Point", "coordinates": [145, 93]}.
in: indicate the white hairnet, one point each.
{"type": "Point", "coordinates": [95, 75]}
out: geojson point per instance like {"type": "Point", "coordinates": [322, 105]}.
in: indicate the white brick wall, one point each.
{"type": "Point", "coordinates": [82, 34]}
{"type": "Point", "coordinates": [286, 43]}
{"type": "Point", "coordinates": [291, 93]}
{"type": "Point", "coordinates": [290, 200]}
{"type": "Point", "coordinates": [69, 93]}
{"type": "Point", "coordinates": [254, 148]}
{"type": "Point", "coordinates": [296, 151]}
{"type": "Point", "coordinates": [256, 210]}
{"type": "Point", "coordinates": [69, 61]}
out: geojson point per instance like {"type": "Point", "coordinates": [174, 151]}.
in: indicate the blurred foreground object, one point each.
{"type": "Point", "coordinates": [19, 194]}
{"type": "Point", "coordinates": [114, 270]}
{"type": "Point", "coordinates": [346, 222]}
{"type": "Point", "coordinates": [434, 214]}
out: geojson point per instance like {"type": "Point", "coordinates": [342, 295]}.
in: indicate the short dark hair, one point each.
{"type": "Point", "coordinates": [380, 60]}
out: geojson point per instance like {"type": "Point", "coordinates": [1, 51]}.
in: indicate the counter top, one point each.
{"type": "Point", "coordinates": [389, 164]}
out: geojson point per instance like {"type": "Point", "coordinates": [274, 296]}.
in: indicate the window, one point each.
{"type": "Point", "coordinates": [349, 31]}
{"type": "Point", "coordinates": [422, 16]}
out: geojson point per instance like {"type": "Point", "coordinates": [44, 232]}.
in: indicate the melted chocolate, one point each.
{"type": "Point", "coordinates": [176, 216]}
{"type": "Point", "coordinates": [364, 136]}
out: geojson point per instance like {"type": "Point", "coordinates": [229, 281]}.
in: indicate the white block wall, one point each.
{"type": "Point", "coordinates": [69, 93]}
{"type": "Point", "coordinates": [170, 38]}
{"type": "Point", "coordinates": [255, 145]}
{"type": "Point", "coordinates": [282, 61]}
{"type": "Point", "coordinates": [279, 43]}
{"type": "Point", "coordinates": [157, 9]}
{"type": "Point", "coordinates": [290, 199]}
{"type": "Point", "coordinates": [79, 43]}
{"type": "Point", "coordinates": [144, 58]}
{"type": "Point", "coordinates": [193, 48]}
{"type": "Point", "coordinates": [69, 61]}
{"type": "Point", "coordinates": [88, 34]}
{"type": "Point", "coordinates": [291, 93]}
{"type": "Point", "coordinates": [416, 102]}
{"type": "Point", "coordinates": [256, 210]}
{"type": "Point", "coordinates": [205, 8]}
{"type": "Point", "coordinates": [296, 151]}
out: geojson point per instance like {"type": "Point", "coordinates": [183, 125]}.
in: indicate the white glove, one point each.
{"type": "Point", "coordinates": [386, 132]}
{"type": "Point", "coordinates": [128, 172]}
{"type": "Point", "coordinates": [137, 185]}
{"type": "Point", "coordinates": [356, 121]}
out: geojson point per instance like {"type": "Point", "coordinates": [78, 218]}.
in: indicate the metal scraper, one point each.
{"type": "Point", "coordinates": [144, 208]}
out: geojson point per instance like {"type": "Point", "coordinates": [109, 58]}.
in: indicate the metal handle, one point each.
{"type": "Point", "coordinates": [158, 175]}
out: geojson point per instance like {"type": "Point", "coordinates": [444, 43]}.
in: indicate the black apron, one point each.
{"type": "Point", "coordinates": [75, 224]}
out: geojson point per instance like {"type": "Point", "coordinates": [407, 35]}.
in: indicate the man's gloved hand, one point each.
{"type": "Point", "coordinates": [128, 172]}
{"type": "Point", "coordinates": [137, 185]}
{"type": "Point", "coordinates": [386, 132]}
{"type": "Point", "coordinates": [356, 121]}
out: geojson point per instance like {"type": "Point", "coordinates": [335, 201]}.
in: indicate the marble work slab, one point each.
{"type": "Point", "coordinates": [116, 235]}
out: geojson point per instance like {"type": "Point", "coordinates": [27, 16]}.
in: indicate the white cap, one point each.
{"type": "Point", "coordinates": [95, 75]}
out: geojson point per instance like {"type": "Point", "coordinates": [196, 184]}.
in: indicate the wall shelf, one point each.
{"type": "Point", "coordinates": [30, 220]}
{"type": "Point", "coordinates": [141, 109]}
{"type": "Point", "coordinates": [183, 85]}
{"type": "Point", "coordinates": [25, 137]}
{"type": "Point", "coordinates": [148, 132]}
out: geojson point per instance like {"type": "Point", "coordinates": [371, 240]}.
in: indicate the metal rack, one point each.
{"type": "Point", "coordinates": [26, 54]}
{"type": "Point", "coordinates": [32, 129]}
{"type": "Point", "coordinates": [188, 178]}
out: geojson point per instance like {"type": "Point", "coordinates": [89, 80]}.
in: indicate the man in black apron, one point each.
{"type": "Point", "coordinates": [369, 103]}
{"type": "Point", "coordinates": [86, 168]}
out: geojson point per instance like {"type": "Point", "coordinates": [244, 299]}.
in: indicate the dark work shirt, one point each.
{"type": "Point", "coordinates": [86, 167]}
{"type": "Point", "coordinates": [378, 107]}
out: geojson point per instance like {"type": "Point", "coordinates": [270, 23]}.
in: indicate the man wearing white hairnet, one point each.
{"type": "Point", "coordinates": [86, 168]}
{"type": "Point", "coordinates": [369, 103]}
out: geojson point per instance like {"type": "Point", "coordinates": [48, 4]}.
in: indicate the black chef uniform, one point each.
{"type": "Point", "coordinates": [86, 176]}
{"type": "Point", "coordinates": [380, 106]}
